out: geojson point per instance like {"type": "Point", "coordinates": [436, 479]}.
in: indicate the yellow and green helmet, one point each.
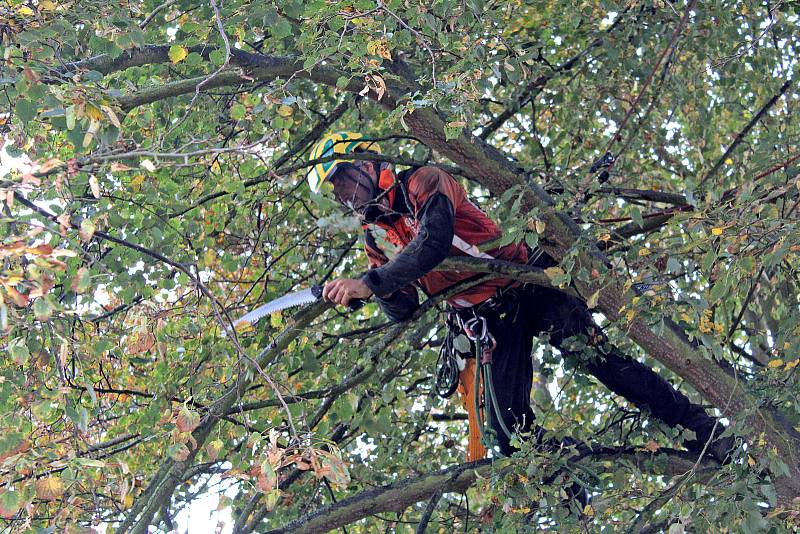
{"type": "Point", "coordinates": [335, 143]}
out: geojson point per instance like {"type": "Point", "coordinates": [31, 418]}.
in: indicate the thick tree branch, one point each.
{"type": "Point", "coordinates": [400, 495]}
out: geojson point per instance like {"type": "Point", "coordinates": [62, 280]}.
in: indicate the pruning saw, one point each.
{"type": "Point", "coordinates": [290, 300]}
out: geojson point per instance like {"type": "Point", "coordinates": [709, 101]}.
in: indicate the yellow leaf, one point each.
{"type": "Point", "coordinates": [588, 511]}
{"type": "Point", "coordinates": [47, 5]}
{"type": "Point", "coordinates": [137, 181]}
{"type": "Point", "coordinates": [111, 115]}
{"type": "Point", "coordinates": [554, 272]}
{"type": "Point", "coordinates": [775, 363]}
{"type": "Point", "coordinates": [285, 111]}
{"type": "Point", "coordinates": [750, 461]}
{"type": "Point", "coordinates": [591, 302]}
{"type": "Point", "coordinates": [644, 252]}
{"type": "Point", "coordinates": [729, 161]}
{"type": "Point", "coordinates": [379, 48]}
{"type": "Point", "coordinates": [94, 113]}
{"type": "Point", "coordinates": [177, 53]}
{"type": "Point", "coordinates": [24, 10]}
{"type": "Point", "coordinates": [792, 364]}
{"type": "Point", "coordinates": [49, 488]}
{"type": "Point", "coordinates": [716, 231]}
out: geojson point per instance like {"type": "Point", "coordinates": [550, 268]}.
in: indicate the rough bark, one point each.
{"type": "Point", "coordinates": [400, 495]}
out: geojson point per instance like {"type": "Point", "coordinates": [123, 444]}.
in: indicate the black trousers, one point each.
{"type": "Point", "coordinates": [531, 311]}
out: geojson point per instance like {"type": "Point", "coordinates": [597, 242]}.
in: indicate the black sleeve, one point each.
{"type": "Point", "coordinates": [400, 305]}
{"type": "Point", "coordinates": [426, 250]}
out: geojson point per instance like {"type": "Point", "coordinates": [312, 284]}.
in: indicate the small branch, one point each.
{"type": "Point", "coordinates": [741, 135]}
{"type": "Point", "coordinates": [146, 21]}
{"type": "Point", "coordinates": [673, 41]}
{"type": "Point", "coordinates": [426, 515]}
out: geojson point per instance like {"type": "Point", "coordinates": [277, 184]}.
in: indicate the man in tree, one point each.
{"type": "Point", "coordinates": [425, 216]}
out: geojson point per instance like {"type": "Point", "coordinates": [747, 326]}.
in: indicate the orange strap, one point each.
{"type": "Point", "coordinates": [466, 390]}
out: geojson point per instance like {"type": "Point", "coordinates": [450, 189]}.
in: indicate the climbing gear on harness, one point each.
{"type": "Point", "coordinates": [475, 378]}
{"type": "Point", "coordinates": [484, 343]}
{"type": "Point", "coordinates": [330, 145]}
{"type": "Point", "coordinates": [453, 354]}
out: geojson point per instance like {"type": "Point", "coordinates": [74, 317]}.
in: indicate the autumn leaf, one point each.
{"type": "Point", "coordinates": [87, 230]}
{"type": "Point", "coordinates": [12, 443]}
{"type": "Point", "coordinates": [177, 53]}
{"type": "Point", "coordinates": [651, 446]}
{"type": "Point", "coordinates": [187, 420]}
{"type": "Point", "coordinates": [80, 282]}
{"type": "Point", "coordinates": [554, 272]}
{"type": "Point", "coordinates": [49, 488]}
{"type": "Point", "coordinates": [213, 449]}
{"type": "Point", "coordinates": [774, 364]}
{"type": "Point", "coordinates": [178, 452]}
{"type": "Point", "coordinates": [379, 47]}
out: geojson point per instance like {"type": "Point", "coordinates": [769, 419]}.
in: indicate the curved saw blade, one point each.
{"type": "Point", "coordinates": [297, 298]}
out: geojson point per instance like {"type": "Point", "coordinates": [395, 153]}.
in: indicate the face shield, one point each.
{"type": "Point", "coordinates": [354, 186]}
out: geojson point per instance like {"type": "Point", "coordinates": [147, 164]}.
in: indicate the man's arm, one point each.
{"type": "Point", "coordinates": [426, 250]}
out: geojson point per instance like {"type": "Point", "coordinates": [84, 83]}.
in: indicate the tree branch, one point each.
{"type": "Point", "coordinates": [400, 495]}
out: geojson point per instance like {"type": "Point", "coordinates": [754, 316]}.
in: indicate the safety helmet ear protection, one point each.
{"type": "Point", "coordinates": [339, 143]}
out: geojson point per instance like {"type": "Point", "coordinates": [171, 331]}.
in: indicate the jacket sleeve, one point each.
{"type": "Point", "coordinates": [426, 250]}
{"type": "Point", "coordinates": [400, 305]}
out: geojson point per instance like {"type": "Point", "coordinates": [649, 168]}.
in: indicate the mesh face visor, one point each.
{"type": "Point", "coordinates": [353, 187]}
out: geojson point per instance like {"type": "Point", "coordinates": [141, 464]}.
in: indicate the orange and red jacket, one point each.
{"type": "Point", "coordinates": [428, 208]}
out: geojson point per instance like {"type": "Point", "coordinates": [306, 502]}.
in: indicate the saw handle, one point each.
{"type": "Point", "coordinates": [354, 305]}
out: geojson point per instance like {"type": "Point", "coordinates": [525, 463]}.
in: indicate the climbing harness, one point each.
{"type": "Point", "coordinates": [484, 344]}
{"type": "Point", "coordinates": [465, 364]}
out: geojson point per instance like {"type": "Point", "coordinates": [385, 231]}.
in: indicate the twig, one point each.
{"type": "Point", "coordinates": [153, 13]}
{"type": "Point", "coordinates": [416, 34]}
{"type": "Point", "coordinates": [673, 41]}
{"type": "Point", "coordinates": [741, 135]}
{"type": "Point", "coordinates": [429, 509]}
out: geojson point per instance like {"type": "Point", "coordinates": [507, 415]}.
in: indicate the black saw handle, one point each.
{"type": "Point", "coordinates": [354, 304]}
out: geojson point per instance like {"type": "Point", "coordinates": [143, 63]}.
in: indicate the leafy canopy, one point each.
{"type": "Point", "coordinates": [159, 193]}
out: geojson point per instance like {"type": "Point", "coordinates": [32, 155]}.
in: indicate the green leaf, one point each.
{"type": "Point", "coordinates": [25, 110]}
{"type": "Point", "coordinates": [19, 352]}
{"type": "Point", "coordinates": [281, 29]}
{"type": "Point", "coordinates": [238, 112]}
{"type": "Point", "coordinates": [10, 503]}
{"type": "Point", "coordinates": [43, 309]}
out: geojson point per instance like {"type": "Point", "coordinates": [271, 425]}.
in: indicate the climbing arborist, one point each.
{"type": "Point", "coordinates": [416, 218]}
